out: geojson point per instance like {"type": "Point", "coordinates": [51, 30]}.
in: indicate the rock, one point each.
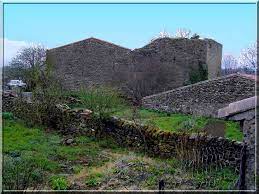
{"type": "Point", "coordinates": [86, 113]}
{"type": "Point", "coordinates": [62, 107]}
{"type": "Point", "coordinates": [73, 100]}
{"type": "Point", "coordinates": [69, 141]}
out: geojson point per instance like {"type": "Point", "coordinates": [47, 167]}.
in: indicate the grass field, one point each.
{"type": "Point", "coordinates": [40, 157]}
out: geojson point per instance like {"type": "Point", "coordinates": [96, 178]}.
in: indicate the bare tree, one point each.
{"type": "Point", "coordinates": [29, 65]}
{"type": "Point", "coordinates": [248, 58]}
{"type": "Point", "coordinates": [30, 57]}
{"type": "Point", "coordinates": [183, 33]}
{"type": "Point", "coordinates": [162, 34]}
{"type": "Point", "coordinates": [229, 64]}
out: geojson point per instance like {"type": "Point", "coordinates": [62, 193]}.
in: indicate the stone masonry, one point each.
{"type": "Point", "coordinates": [244, 112]}
{"type": "Point", "coordinates": [203, 98]}
{"type": "Point", "coordinates": [197, 150]}
{"type": "Point", "coordinates": [161, 65]}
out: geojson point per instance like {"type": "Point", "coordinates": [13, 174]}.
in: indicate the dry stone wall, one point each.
{"type": "Point", "coordinates": [203, 98]}
{"type": "Point", "coordinates": [199, 151]}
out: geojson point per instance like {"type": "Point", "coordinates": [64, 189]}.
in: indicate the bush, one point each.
{"type": "Point", "coordinates": [198, 75]}
{"type": "Point", "coordinates": [43, 109]}
{"type": "Point", "coordinates": [58, 183]}
{"type": "Point", "coordinates": [7, 115]}
{"type": "Point", "coordinates": [103, 101]}
{"type": "Point", "coordinates": [20, 173]}
{"type": "Point", "coordinates": [94, 179]}
{"type": "Point", "coordinates": [189, 124]}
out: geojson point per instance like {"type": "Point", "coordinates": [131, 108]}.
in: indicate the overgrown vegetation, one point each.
{"type": "Point", "coordinates": [36, 156]}
{"type": "Point", "coordinates": [32, 146]}
{"type": "Point", "coordinates": [197, 75]}
{"type": "Point", "coordinates": [233, 131]}
{"type": "Point", "coordinates": [181, 123]}
{"type": "Point", "coordinates": [91, 164]}
{"type": "Point", "coordinates": [28, 65]}
{"type": "Point", "coordinates": [224, 179]}
{"type": "Point", "coordinates": [20, 173]}
{"type": "Point", "coordinates": [102, 100]}
{"type": "Point", "coordinates": [58, 183]}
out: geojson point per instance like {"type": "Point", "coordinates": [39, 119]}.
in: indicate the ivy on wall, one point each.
{"type": "Point", "coordinates": [197, 75]}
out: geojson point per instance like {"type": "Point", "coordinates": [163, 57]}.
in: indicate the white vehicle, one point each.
{"type": "Point", "coordinates": [16, 83]}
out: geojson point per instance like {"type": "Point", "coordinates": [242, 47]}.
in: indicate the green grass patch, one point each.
{"type": "Point", "coordinates": [50, 154]}
{"type": "Point", "coordinates": [94, 179]}
{"type": "Point", "coordinates": [233, 131]}
{"type": "Point", "coordinates": [165, 121]}
{"type": "Point", "coordinates": [7, 115]}
{"type": "Point", "coordinates": [223, 179]}
{"type": "Point", "coordinates": [58, 183]}
{"type": "Point", "coordinates": [30, 142]}
{"type": "Point", "coordinates": [180, 122]}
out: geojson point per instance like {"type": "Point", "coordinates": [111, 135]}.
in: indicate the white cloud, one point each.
{"type": "Point", "coordinates": [11, 47]}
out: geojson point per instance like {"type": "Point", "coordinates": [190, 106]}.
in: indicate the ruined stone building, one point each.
{"type": "Point", "coordinates": [161, 65]}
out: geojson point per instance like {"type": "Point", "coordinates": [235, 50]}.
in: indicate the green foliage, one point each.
{"type": "Point", "coordinates": [30, 142]}
{"type": "Point", "coordinates": [223, 179]}
{"type": "Point", "coordinates": [43, 109]}
{"type": "Point", "coordinates": [20, 173]}
{"type": "Point", "coordinates": [180, 122]}
{"type": "Point", "coordinates": [233, 131]}
{"type": "Point", "coordinates": [77, 168]}
{"type": "Point", "coordinates": [29, 65]}
{"type": "Point", "coordinates": [7, 115]}
{"type": "Point", "coordinates": [198, 75]}
{"type": "Point", "coordinates": [58, 183]}
{"type": "Point", "coordinates": [166, 121]}
{"type": "Point", "coordinates": [187, 125]}
{"type": "Point", "coordinates": [94, 179]}
{"type": "Point", "coordinates": [102, 100]}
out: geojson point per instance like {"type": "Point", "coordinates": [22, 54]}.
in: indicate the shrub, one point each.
{"type": "Point", "coordinates": [198, 75]}
{"type": "Point", "coordinates": [7, 115]}
{"type": "Point", "coordinates": [20, 173]}
{"type": "Point", "coordinates": [102, 100]}
{"type": "Point", "coordinates": [94, 179]}
{"type": "Point", "coordinates": [58, 183]}
{"type": "Point", "coordinates": [43, 109]}
{"type": "Point", "coordinates": [189, 124]}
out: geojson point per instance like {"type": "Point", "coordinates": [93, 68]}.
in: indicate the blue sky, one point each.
{"type": "Point", "coordinates": [129, 25]}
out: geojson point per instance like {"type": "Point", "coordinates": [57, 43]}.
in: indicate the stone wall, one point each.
{"type": "Point", "coordinates": [249, 138]}
{"type": "Point", "coordinates": [159, 66]}
{"type": "Point", "coordinates": [203, 98]}
{"type": "Point", "coordinates": [85, 63]}
{"type": "Point", "coordinates": [244, 112]}
{"type": "Point", "coordinates": [196, 150]}
{"type": "Point", "coordinates": [214, 56]}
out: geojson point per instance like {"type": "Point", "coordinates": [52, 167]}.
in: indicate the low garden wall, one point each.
{"type": "Point", "coordinates": [196, 150]}
{"type": "Point", "coordinates": [203, 98]}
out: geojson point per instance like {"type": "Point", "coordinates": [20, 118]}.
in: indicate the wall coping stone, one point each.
{"type": "Point", "coordinates": [237, 107]}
